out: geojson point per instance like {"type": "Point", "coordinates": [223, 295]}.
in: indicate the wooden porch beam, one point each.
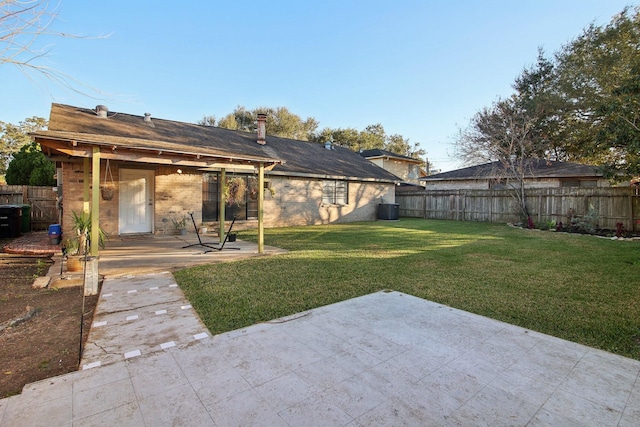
{"type": "Point", "coordinates": [261, 208]}
{"type": "Point", "coordinates": [95, 202]}
{"type": "Point", "coordinates": [223, 201]}
{"type": "Point", "coordinates": [86, 197]}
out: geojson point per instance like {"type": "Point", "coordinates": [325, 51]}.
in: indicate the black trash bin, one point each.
{"type": "Point", "coordinates": [26, 219]}
{"type": "Point", "coordinates": [389, 211]}
{"type": "Point", "coordinates": [10, 220]}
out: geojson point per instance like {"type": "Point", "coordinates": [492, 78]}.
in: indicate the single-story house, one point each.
{"type": "Point", "coordinates": [404, 167]}
{"type": "Point", "coordinates": [539, 173]}
{"type": "Point", "coordinates": [151, 171]}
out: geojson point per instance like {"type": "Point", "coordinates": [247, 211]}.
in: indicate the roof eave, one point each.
{"type": "Point", "coordinates": [335, 177]}
{"type": "Point", "coordinates": [75, 150]}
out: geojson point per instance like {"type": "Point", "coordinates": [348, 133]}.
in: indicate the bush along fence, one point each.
{"type": "Point", "coordinates": [614, 207]}
{"type": "Point", "coordinates": [42, 201]}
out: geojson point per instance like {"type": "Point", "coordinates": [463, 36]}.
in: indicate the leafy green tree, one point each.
{"type": "Point", "coordinates": [399, 145]}
{"type": "Point", "coordinates": [30, 167]}
{"type": "Point", "coordinates": [283, 123]}
{"type": "Point", "coordinates": [581, 105]}
{"type": "Point", "coordinates": [373, 136]}
{"type": "Point", "coordinates": [280, 122]}
{"type": "Point", "coordinates": [13, 137]}
{"type": "Point", "coordinates": [620, 129]}
{"type": "Point", "coordinates": [595, 77]}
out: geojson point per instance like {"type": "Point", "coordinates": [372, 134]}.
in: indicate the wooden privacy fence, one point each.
{"type": "Point", "coordinates": [613, 205]}
{"type": "Point", "coordinates": [41, 199]}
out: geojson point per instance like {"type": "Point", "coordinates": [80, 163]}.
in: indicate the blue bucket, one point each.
{"type": "Point", "coordinates": [55, 230]}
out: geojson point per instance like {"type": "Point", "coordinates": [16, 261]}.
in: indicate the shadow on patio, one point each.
{"type": "Point", "coordinates": [135, 254]}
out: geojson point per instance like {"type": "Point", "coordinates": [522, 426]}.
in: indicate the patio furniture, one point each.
{"type": "Point", "coordinates": [208, 245]}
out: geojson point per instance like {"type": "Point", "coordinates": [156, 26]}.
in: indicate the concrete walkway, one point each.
{"type": "Point", "coordinates": [385, 359]}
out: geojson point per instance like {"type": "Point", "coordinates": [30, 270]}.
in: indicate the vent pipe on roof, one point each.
{"type": "Point", "coordinates": [147, 117]}
{"type": "Point", "coordinates": [328, 145]}
{"type": "Point", "coordinates": [102, 110]}
{"type": "Point", "coordinates": [262, 129]}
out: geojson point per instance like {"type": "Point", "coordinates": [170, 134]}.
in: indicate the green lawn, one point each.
{"type": "Point", "coordinates": [580, 288]}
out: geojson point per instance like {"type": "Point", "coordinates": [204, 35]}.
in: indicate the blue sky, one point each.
{"type": "Point", "coordinates": [420, 68]}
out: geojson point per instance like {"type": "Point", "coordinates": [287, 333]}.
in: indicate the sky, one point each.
{"type": "Point", "coordinates": [422, 69]}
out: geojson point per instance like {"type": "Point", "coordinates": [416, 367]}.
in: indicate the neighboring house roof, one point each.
{"type": "Point", "coordinates": [535, 168]}
{"type": "Point", "coordinates": [291, 157]}
{"type": "Point", "coordinates": [377, 153]}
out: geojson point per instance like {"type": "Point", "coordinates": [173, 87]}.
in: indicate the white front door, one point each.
{"type": "Point", "coordinates": [136, 201]}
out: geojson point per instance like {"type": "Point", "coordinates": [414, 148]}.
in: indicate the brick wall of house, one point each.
{"type": "Point", "coordinates": [291, 201]}
{"type": "Point", "coordinates": [73, 197]}
{"type": "Point", "coordinates": [175, 196]}
{"type": "Point", "coordinates": [298, 201]}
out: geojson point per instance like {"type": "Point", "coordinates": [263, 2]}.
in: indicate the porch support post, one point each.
{"type": "Point", "coordinates": [95, 201]}
{"type": "Point", "coordinates": [86, 178]}
{"type": "Point", "coordinates": [223, 201]}
{"type": "Point", "coordinates": [261, 208]}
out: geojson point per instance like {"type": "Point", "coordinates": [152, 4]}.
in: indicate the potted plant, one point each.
{"type": "Point", "coordinates": [180, 223]}
{"type": "Point", "coordinates": [79, 245]}
{"type": "Point", "coordinates": [70, 249]}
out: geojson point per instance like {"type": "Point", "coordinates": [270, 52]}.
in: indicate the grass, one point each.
{"type": "Point", "coordinates": [575, 287]}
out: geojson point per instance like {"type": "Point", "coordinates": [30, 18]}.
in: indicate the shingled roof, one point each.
{"type": "Point", "coordinates": [377, 153]}
{"type": "Point", "coordinates": [293, 157]}
{"type": "Point", "coordinates": [535, 168]}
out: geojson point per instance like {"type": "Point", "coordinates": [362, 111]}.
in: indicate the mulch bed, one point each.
{"type": "Point", "coordinates": [39, 328]}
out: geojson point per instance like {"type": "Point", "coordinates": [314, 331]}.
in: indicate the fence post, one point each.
{"type": "Point", "coordinates": [631, 224]}
{"type": "Point", "coordinates": [424, 205]}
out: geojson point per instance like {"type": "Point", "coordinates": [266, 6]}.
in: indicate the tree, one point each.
{"type": "Point", "coordinates": [207, 121]}
{"type": "Point", "coordinates": [13, 137]}
{"type": "Point", "coordinates": [22, 24]}
{"type": "Point", "coordinates": [596, 74]}
{"type": "Point", "coordinates": [399, 145]}
{"type": "Point", "coordinates": [581, 105]}
{"type": "Point", "coordinates": [283, 123]}
{"type": "Point", "coordinates": [503, 134]}
{"type": "Point", "coordinates": [620, 129]}
{"type": "Point", "coordinates": [30, 167]}
{"type": "Point", "coordinates": [280, 122]}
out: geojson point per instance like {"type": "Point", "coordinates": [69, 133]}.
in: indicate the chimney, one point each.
{"type": "Point", "coordinates": [147, 117]}
{"type": "Point", "coordinates": [102, 110]}
{"type": "Point", "coordinates": [262, 129]}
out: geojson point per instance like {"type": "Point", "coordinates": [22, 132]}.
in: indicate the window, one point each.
{"type": "Point", "coordinates": [210, 199]}
{"type": "Point", "coordinates": [243, 209]}
{"type": "Point", "coordinates": [413, 171]}
{"type": "Point", "coordinates": [498, 184]}
{"type": "Point", "coordinates": [335, 192]}
{"type": "Point", "coordinates": [589, 183]}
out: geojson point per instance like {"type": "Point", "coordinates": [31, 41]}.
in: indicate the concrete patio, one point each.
{"type": "Point", "coordinates": [384, 359]}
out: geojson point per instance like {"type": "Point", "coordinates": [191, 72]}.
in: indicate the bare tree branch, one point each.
{"type": "Point", "coordinates": [22, 24]}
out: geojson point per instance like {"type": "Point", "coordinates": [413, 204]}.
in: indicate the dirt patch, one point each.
{"type": "Point", "coordinates": [43, 340]}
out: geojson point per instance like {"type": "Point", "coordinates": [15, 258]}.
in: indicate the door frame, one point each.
{"type": "Point", "coordinates": [149, 174]}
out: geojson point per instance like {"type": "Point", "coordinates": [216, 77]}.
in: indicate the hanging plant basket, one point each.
{"type": "Point", "coordinates": [108, 188]}
{"type": "Point", "coordinates": [107, 191]}
{"type": "Point", "coordinates": [235, 190]}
